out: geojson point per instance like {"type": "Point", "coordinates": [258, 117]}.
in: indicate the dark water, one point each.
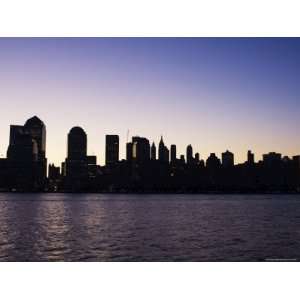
{"type": "Point", "coordinates": [66, 227]}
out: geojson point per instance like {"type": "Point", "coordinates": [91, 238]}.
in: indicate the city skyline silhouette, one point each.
{"type": "Point", "coordinates": [215, 94]}
{"type": "Point", "coordinates": [147, 167]}
{"type": "Point", "coordinates": [149, 149]}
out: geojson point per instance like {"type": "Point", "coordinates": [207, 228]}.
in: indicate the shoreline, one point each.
{"type": "Point", "coordinates": [159, 193]}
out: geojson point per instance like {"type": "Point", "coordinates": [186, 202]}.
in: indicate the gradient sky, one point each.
{"type": "Point", "coordinates": [216, 94]}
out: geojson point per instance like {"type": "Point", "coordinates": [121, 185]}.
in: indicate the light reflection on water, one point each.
{"type": "Point", "coordinates": [107, 227]}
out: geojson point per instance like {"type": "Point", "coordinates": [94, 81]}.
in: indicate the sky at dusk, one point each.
{"type": "Point", "coordinates": [216, 94]}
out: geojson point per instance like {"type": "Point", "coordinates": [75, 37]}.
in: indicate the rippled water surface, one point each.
{"type": "Point", "coordinates": [106, 227]}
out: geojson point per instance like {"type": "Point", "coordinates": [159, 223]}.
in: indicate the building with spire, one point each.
{"type": "Point", "coordinates": [163, 151]}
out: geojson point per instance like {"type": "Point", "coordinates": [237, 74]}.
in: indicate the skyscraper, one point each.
{"type": "Point", "coordinates": [189, 154]}
{"type": "Point", "coordinates": [37, 130]}
{"type": "Point", "coordinates": [173, 153]}
{"type": "Point", "coordinates": [129, 152]}
{"type": "Point", "coordinates": [250, 158]}
{"type": "Point", "coordinates": [161, 150]}
{"type": "Point", "coordinates": [76, 162]}
{"type": "Point", "coordinates": [153, 152]}
{"type": "Point", "coordinates": [197, 158]}
{"type": "Point", "coordinates": [26, 155]}
{"type": "Point", "coordinates": [77, 144]}
{"type": "Point", "coordinates": [227, 159]}
{"type": "Point", "coordinates": [167, 155]}
{"type": "Point", "coordinates": [140, 149]}
{"type": "Point", "coordinates": [111, 149]}
{"type": "Point", "coordinates": [22, 147]}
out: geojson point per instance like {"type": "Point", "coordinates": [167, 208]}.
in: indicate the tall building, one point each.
{"type": "Point", "coordinates": [163, 151]}
{"type": "Point", "coordinates": [189, 154]}
{"type": "Point", "coordinates": [197, 158]}
{"type": "Point", "coordinates": [250, 157]}
{"type": "Point", "coordinates": [37, 130]}
{"type": "Point", "coordinates": [111, 149]}
{"type": "Point", "coordinates": [227, 159]}
{"type": "Point", "coordinates": [173, 153]}
{"type": "Point", "coordinates": [77, 144]}
{"type": "Point", "coordinates": [167, 155]}
{"type": "Point", "coordinates": [76, 162]}
{"type": "Point", "coordinates": [22, 148]}
{"type": "Point", "coordinates": [129, 152]}
{"type": "Point", "coordinates": [140, 149]}
{"type": "Point", "coordinates": [26, 155]}
{"type": "Point", "coordinates": [153, 152]}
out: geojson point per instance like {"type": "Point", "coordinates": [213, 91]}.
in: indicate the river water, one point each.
{"type": "Point", "coordinates": [126, 227]}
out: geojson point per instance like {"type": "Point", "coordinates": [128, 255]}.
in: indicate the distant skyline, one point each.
{"type": "Point", "coordinates": [214, 93]}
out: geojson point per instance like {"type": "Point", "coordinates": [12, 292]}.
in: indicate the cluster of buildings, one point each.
{"type": "Point", "coordinates": [147, 168]}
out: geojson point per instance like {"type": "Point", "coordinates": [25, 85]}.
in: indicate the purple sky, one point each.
{"type": "Point", "coordinates": [215, 94]}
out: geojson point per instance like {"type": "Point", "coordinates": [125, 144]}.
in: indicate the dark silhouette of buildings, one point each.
{"type": "Point", "coordinates": [153, 152]}
{"type": "Point", "coordinates": [77, 144]}
{"type": "Point", "coordinates": [76, 161]}
{"type": "Point", "coordinates": [167, 155]}
{"type": "Point", "coordinates": [37, 130]}
{"type": "Point", "coordinates": [163, 151]}
{"type": "Point", "coordinates": [54, 178]}
{"type": "Point", "coordinates": [4, 184]}
{"type": "Point", "coordinates": [272, 159]}
{"type": "Point", "coordinates": [189, 154]}
{"type": "Point", "coordinates": [182, 160]}
{"type": "Point", "coordinates": [250, 157]}
{"type": "Point", "coordinates": [213, 162]}
{"type": "Point", "coordinates": [140, 149]}
{"type": "Point", "coordinates": [197, 158]}
{"type": "Point", "coordinates": [112, 149]}
{"type": "Point", "coordinates": [53, 172]}
{"type": "Point", "coordinates": [227, 159]}
{"type": "Point", "coordinates": [129, 151]}
{"type": "Point", "coordinates": [173, 153]}
{"type": "Point", "coordinates": [27, 164]}
{"type": "Point", "coordinates": [24, 169]}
